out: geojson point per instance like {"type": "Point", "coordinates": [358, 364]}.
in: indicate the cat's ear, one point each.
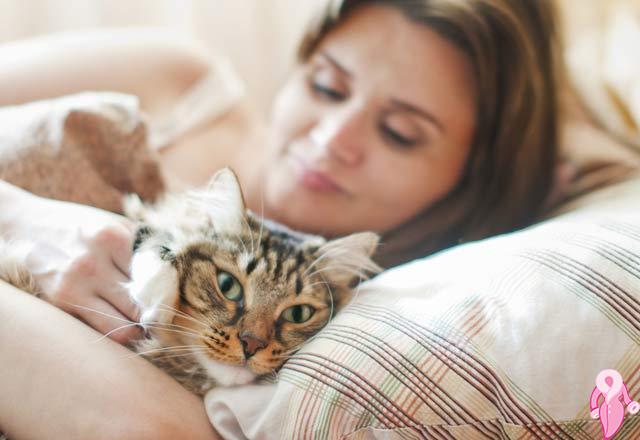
{"type": "Point", "coordinates": [224, 202]}
{"type": "Point", "coordinates": [348, 259]}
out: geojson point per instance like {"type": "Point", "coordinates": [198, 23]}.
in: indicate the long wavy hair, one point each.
{"type": "Point", "coordinates": [514, 50]}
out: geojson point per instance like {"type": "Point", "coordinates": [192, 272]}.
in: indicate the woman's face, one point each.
{"type": "Point", "coordinates": [375, 127]}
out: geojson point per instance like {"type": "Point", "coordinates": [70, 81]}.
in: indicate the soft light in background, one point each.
{"type": "Point", "coordinates": [259, 36]}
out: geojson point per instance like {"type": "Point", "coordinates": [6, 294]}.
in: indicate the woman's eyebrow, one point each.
{"type": "Point", "coordinates": [335, 63]}
{"type": "Point", "coordinates": [418, 111]}
{"type": "Point", "coordinates": [398, 103]}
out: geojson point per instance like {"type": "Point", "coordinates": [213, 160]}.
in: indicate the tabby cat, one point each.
{"type": "Point", "coordinates": [226, 296]}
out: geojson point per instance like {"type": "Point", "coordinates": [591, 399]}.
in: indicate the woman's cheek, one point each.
{"type": "Point", "coordinates": [294, 111]}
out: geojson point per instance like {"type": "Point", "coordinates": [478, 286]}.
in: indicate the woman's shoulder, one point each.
{"type": "Point", "coordinates": [203, 124]}
{"type": "Point", "coordinates": [215, 90]}
{"type": "Point", "coordinates": [225, 139]}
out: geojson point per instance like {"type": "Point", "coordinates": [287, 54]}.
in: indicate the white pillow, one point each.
{"type": "Point", "coordinates": [501, 338]}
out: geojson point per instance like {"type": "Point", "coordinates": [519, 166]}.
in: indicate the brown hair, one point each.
{"type": "Point", "coordinates": [513, 47]}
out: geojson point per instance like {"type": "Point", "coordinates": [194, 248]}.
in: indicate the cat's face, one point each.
{"type": "Point", "coordinates": [247, 292]}
{"type": "Point", "coordinates": [255, 306]}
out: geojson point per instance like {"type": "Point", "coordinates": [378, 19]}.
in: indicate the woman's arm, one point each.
{"type": "Point", "coordinates": [60, 379]}
{"type": "Point", "coordinates": [152, 64]}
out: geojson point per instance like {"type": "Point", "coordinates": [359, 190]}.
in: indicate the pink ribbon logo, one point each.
{"type": "Point", "coordinates": [610, 411]}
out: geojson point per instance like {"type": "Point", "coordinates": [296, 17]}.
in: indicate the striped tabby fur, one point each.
{"type": "Point", "coordinates": [189, 249]}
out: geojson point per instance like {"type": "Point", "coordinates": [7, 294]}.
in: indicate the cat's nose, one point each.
{"type": "Point", "coordinates": [251, 343]}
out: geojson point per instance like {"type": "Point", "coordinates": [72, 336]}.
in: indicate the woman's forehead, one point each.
{"type": "Point", "coordinates": [386, 53]}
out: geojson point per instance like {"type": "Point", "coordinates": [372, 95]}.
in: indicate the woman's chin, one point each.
{"type": "Point", "coordinates": [300, 207]}
{"type": "Point", "coordinates": [298, 213]}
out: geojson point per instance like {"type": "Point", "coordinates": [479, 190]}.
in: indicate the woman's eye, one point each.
{"type": "Point", "coordinates": [298, 314]}
{"type": "Point", "coordinates": [229, 286]}
{"type": "Point", "coordinates": [328, 92]}
{"type": "Point", "coordinates": [396, 137]}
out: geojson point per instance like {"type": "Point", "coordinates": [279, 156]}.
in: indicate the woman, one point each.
{"type": "Point", "coordinates": [441, 129]}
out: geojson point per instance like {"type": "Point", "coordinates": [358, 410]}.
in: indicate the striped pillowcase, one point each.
{"type": "Point", "coordinates": [497, 339]}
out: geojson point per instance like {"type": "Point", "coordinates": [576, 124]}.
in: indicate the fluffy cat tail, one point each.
{"type": "Point", "coordinates": [12, 266]}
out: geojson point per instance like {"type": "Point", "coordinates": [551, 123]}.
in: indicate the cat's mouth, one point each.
{"type": "Point", "coordinates": [260, 368]}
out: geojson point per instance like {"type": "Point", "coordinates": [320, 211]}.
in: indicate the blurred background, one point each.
{"type": "Point", "coordinates": [260, 36]}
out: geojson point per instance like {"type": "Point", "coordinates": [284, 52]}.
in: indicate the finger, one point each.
{"type": "Point", "coordinates": [115, 293]}
{"type": "Point", "coordinates": [128, 224]}
{"type": "Point", "coordinates": [103, 317]}
{"type": "Point", "coordinates": [117, 241]}
{"type": "Point", "coordinates": [122, 248]}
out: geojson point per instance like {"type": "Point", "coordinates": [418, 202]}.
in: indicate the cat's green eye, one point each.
{"type": "Point", "coordinates": [229, 286]}
{"type": "Point", "coordinates": [298, 314]}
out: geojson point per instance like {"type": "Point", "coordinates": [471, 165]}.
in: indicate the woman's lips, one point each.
{"type": "Point", "coordinates": [318, 182]}
{"type": "Point", "coordinates": [315, 180]}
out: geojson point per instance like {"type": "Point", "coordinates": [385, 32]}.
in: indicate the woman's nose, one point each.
{"type": "Point", "coordinates": [341, 134]}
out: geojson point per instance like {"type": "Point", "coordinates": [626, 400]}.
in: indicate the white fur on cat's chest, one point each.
{"type": "Point", "coordinates": [224, 374]}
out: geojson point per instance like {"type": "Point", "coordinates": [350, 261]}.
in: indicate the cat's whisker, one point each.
{"type": "Point", "coordinates": [358, 267]}
{"type": "Point", "coordinates": [315, 284]}
{"type": "Point", "coordinates": [185, 353]}
{"type": "Point", "coordinates": [244, 246]}
{"type": "Point", "coordinates": [171, 326]}
{"type": "Point", "coordinates": [130, 323]}
{"type": "Point", "coordinates": [173, 348]}
{"type": "Point", "coordinates": [354, 272]}
{"type": "Point", "coordinates": [169, 355]}
{"type": "Point", "coordinates": [261, 220]}
{"type": "Point", "coordinates": [99, 312]}
{"type": "Point", "coordinates": [295, 348]}
{"type": "Point", "coordinates": [289, 353]}
{"type": "Point", "coordinates": [109, 333]}
{"type": "Point", "coordinates": [313, 263]}
{"type": "Point", "coordinates": [286, 357]}
{"type": "Point", "coordinates": [239, 238]}
{"type": "Point", "coordinates": [331, 305]}
{"type": "Point", "coordinates": [262, 201]}
{"type": "Point", "coordinates": [327, 254]}
{"type": "Point", "coordinates": [181, 351]}
{"type": "Point", "coordinates": [331, 298]}
{"type": "Point", "coordinates": [166, 325]}
{"type": "Point", "coordinates": [253, 250]}
{"type": "Point", "coordinates": [180, 332]}
{"type": "Point", "coordinates": [274, 374]}
{"type": "Point", "coordinates": [182, 314]}
{"type": "Point", "coordinates": [177, 312]}
{"type": "Point", "coordinates": [166, 356]}
{"type": "Point", "coordinates": [357, 292]}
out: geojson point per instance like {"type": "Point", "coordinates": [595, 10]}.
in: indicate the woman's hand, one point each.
{"type": "Point", "coordinates": [80, 259]}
